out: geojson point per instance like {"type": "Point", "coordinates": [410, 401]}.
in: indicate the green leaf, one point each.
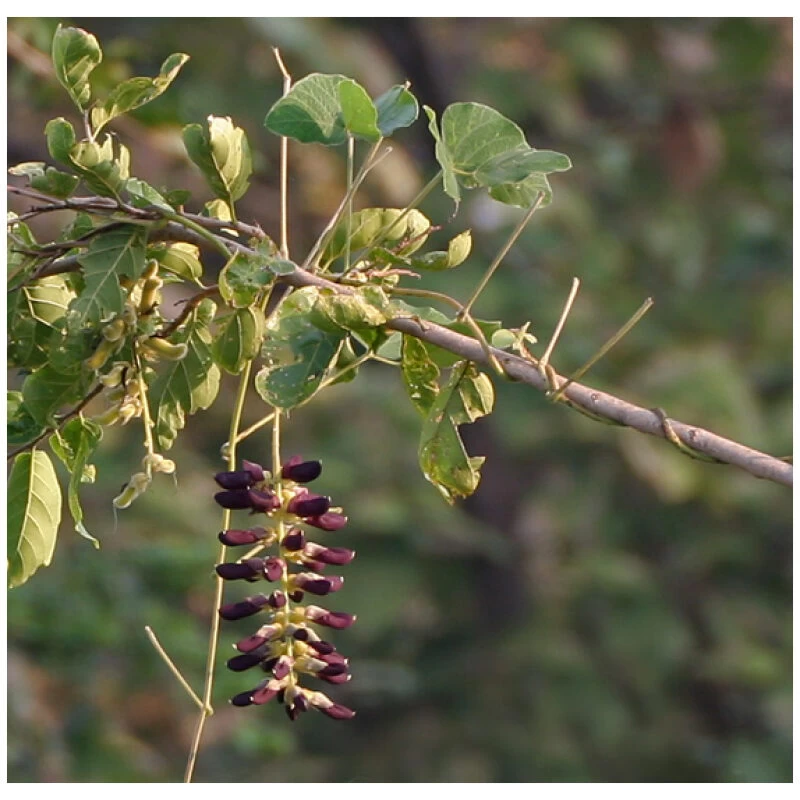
{"type": "Point", "coordinates": [243, 278]}
{"type": "Point", "coordinates": [47, 390]}
{"type": "Point", "coordinates": [135, 92]}
{"type": "Point", "coordinates": [110, 255]}
{"type": "Point", "coordinates": [21, 427]}
{"type": "Point", "coordinates": [516, 165]}
{"type": "Point", "coordinates": [61, 140]}
{"type": "Point", "coordinates": [467, 396]}
{"type": "Point", "coordinates": [443, 156]}
{"type": "Point", "coordinates": [47, 179]}
{"type": "Point", "coordinates": [311, 111]}
{"type": "Point", "coordinates": [525, 193]}
{"type": "Point", "coordinates": [297, 353]}
{"type": "Point", "coordinates": [238, 339]}
{"type": "Point", "coordinates": [397, 108]}
{"type": "Point", "coordinates": [420, 374]}
{"type": "Point", "coordinates": [223, 156]}
{"type": "Point", "coordinates": [179, 258]}
{"type": "Point", "coordinates": [359, 115]}
{"type": "Point", "coordinates": [75, 54]}
{"type": "Point", "coordinates": [74, 445]}
{"type": "Point", "coordinates": [458, 251]}
{"type": "Point", "coordinates": [34, 513]}
{"type": "Point", "coordinates": [365, 307]}
{"type": "Point", "coordinates": [143, 194]}
{"type": "Point", "coordinates": [188, 385]}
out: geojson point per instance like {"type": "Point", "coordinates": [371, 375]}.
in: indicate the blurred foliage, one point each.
{"type": "Point", "coordinates": [603, 609]}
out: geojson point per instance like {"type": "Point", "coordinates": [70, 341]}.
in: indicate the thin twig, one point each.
{"type": "Point", "coordinates": [175, 671]}
{"type": "Point", "coordinates": [545, 359]}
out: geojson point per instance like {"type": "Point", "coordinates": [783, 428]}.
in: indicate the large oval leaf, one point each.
{"type": "Point", "coordinates": [34, 513]}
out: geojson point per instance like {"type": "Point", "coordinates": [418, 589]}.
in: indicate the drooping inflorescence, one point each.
{"type": "Point", "coordinates": [287, 645]}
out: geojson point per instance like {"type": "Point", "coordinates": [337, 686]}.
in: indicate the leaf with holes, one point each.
{"type": "Point", "coordinates": [297, 353]}
{"type": "Point", "coordinates": [238, 338]}
{"type": "Point", "coordinates": [467, 396]}
{"type": "Point", "coordinates": [34, 513]}
{"type": "Point", "coordinates": [420, 374]}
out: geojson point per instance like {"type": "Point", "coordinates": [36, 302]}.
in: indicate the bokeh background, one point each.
{"type": "Point", "coordinates": [604, 608]}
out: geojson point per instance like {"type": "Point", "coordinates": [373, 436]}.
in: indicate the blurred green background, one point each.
{"type": "Point", "coordinates": [603, 609]}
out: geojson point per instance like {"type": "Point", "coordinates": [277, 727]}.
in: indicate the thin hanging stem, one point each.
{"type": "Point", "coordinates": [502, 254]}
{"type": "Point", "coordinates": [623, 331]}
{"type": "Point", "coordinates": [284, 184]}
{"type": "Point", "coordinates": [351, 151]}
{"type": "Point", "coordinates": [171, 664]}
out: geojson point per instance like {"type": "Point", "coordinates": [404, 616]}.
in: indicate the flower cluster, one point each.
{"type": "Point", "coordinates": [287, 645]}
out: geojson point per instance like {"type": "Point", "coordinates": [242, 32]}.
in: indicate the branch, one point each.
{"type": "Point", "coordinates": [596, 403]}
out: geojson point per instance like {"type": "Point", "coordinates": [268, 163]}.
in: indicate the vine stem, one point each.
{"type": "Point", "coordinates": [213, 639]}
{"type": "Point", "coordinates": [502, 253]}
{"type": "Point", "coordinates": [573, 292]}
{"type": "Point", "coordinates": [171, 664]}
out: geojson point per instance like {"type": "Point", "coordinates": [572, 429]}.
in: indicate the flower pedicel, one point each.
{"type": "Point", "coordinates": [287, 646]}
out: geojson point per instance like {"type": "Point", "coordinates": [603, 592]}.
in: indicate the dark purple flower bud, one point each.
{"type": "Point", "coordinates": [263, 500]}
{"type": "Point", "coordinates": [243, 699]}
{"type": "Point", "coordinates": [245, 661]}
{"type": "Point", "coordinates": [265, 694]}
{"type": "Point", "coordinates": [330, 521]}
{"type": "Point", "coordinates": [301, 703]}
{"type": "Point", "coordinates": [299, 471]}
{"type": "Point", "coordinates": [337, 711]}
{"type": "Point", "coordinates": [273, 568]}
{"type": "Point", "coordinates": [234, 500]}
{"type": "Point", "coordinates": [331, 671]}
{"type": "Point", "coordinates": [317, 584]}
{"type": "Point", "coordinates": [296, 596]}
{"type": "Point", "coordinates": [294, 540]}
{"type": "Point", "coordinates": [237, 537]}
{"type": "Point", "coordinates": [264, 634]}
{"type": "Point", "coordinates": [293, 712]}
{"type": "Point", "coordinates": [323, 648]}
{"type": "Point", "coordinates": [244, 608]}
{"type": "Point", "coordinates": [239, 480]}
{"type": "Point", "coordinates": [328, 555]}
{"type": "Point", "coordinates": [333, 657]}
{"type": "Point", "coordinates": [301, 634]}
{"type": "Point", "coordinates": [249, 570]}
{"type": "Point", "coordinates": [333, 619]}
{"type": "Point", "coordinates": [277, 599]}
{"type": "Point", "coordinates": [308, 505]}
{"type": "Point", "coordinates": [269, 664]}
{"type": "Point", "coordinates": [282, 667]}
{"type": "Point", "coordinates": [255, 471]}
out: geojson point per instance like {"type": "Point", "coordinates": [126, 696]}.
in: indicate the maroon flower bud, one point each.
{"type": "Point", "coordinates": [329, 521]}
{"type": "Point", "coordinates": [264, 634]}
{"type": "Point", "coordinates": [238, 537]}
{"type": "Point", "coordinates": [277, 599]}
{"type": "Point", "coordinates": [263, 500]}
{"type": "Point", "coordinates": [249, 570]}
{"type": "Point", "coordinates": [265, 694]}
{"type": "Point", "coordinates": [299, 471]}
{"type": "Point", "coordinates": [333, 619]}
{"type": "Point", "coordinates": [308, 505]}
{"type": "Point", "coordinates": [337, 711]}
{"type": "Point", "coordinates": [244, 608]}
{"type": "Point", "coordinates": [317, 584]}
{"type": "Point", "coordinates": [328, 555]}
{"type": "Point", "coordinates": [282, 667]}
{"type": "Point", "coordinates": [296, 596]}
{"type": "Point", "coordinates": [243, 699]}
{"type": "Point", "coordinates": [273, 568]}
{"type": "Point", "coordinates": [343, 677]}
{"type": "Point", "coordinates": [333, 657]}
{"type": "Point", "coordinates": [245, 661]}
{"type": "Point", "coordinates": [255, 471]}
{"type": "Point", "coordinates": [331, 671]}
{"type": "Point", "coordinates": [239, 480]}
{"type": "Point", "coordinates": [294, 540]}
{"type": "Point", "coordinates": [323, 648]}
{"type": "Point", "coordinates": [301, 634]}
{"type": "Point", "coordinates": [234, 500]}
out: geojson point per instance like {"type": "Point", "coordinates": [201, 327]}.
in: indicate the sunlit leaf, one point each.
{"type": "Point", "coordinates": [34, 513]}
{"type": "Point", "coordinates": [46, 179]}
{"type": "Point", "coordinates": [467, 396]}
{"type": "Point", "coordinates": [359, 115]}
{"type": "Point", "coordinates": [243, 278]}
{"type": "Point", "coordinates": [445, 159]}
{"type": "Point", "coordinates": [143, 195]}
{"type": "Point", "coordinates": [420, 374]}
{"type": "Point", "coordinates": [179, 258]}
{"type": "Point", "coordinates": [458, 250]}
{"type": "Point", "coordinates": [238, 338]}
{"type": "Point", "coordinates": [75, 54]}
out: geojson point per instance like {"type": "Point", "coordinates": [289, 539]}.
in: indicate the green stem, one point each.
{"type": "Point", "coordinates": [502, 254]}
{"type": "Point", "coordinates": [213, 641]}
{"type": "Point", "coordinates": [199, 230]}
